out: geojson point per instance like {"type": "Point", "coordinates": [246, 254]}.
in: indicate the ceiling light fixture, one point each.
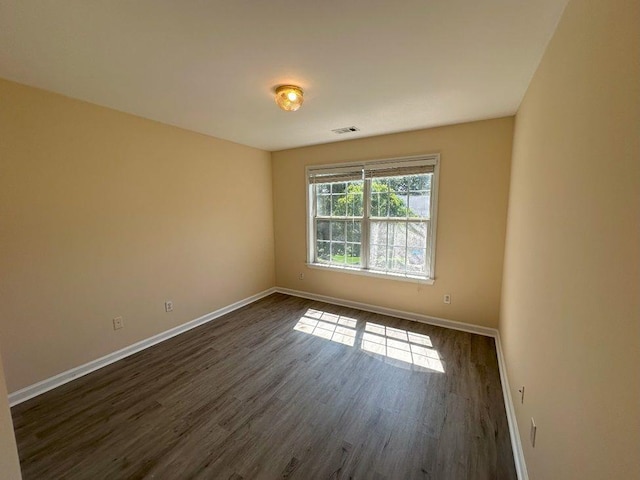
{"type": "Point", "coordinates": [289, 97]}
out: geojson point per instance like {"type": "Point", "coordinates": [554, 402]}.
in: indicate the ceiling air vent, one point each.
{"type": "Point", "coordinates": [341, 131]}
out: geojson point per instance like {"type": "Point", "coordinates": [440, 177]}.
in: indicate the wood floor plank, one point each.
{"type": "Point", "coordinates": [282, 388]}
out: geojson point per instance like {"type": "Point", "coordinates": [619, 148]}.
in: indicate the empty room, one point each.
{"type": "Point", "coordinates": [316, 240]}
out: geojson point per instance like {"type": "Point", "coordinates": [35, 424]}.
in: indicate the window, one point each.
{"type": "Point", "coordinates": [375, 217]}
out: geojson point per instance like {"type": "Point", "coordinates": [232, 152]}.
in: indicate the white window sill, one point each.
{"type": "Point", "coordinates": [369, 273]}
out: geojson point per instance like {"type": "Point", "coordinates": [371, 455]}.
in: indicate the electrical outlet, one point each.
{"type": "Point", "coordinates": [521, 390]}
{"type": "Point", "coordinates": [118, 323]}
{"type": "Point", "coordinates": [446, 298]}
{"type": "Point", "coordinates": [301, 276]}
{"type": "Point", "coordinates": [532, 433]}
{"type": "Point", "coordinates": [168, 306]}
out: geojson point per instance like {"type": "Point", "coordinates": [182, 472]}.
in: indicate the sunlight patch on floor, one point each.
{"type": "Point", "coordinates": [326, 325]}
{"type": "Point", "coordinates": [394, 343]}
{"type": "Point", "coordinates": [402, 345]}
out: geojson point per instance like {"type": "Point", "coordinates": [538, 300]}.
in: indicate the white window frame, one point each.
{"type": "Point", "coordinates": [427, 159]}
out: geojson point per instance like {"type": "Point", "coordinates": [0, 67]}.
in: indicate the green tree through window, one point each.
{"type": "Point", "coordinates": [384, 199]}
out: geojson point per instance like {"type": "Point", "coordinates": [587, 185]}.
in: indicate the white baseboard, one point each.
{"type": "Point", "coordinates": [416, 317]}
{"type": "Point", "coordinates": [50, 383]}
{"type": "Point", "coordinates": [516, 445]}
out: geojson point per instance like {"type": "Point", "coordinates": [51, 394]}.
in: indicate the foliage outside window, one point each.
{"type": "Point", "coordinates": [376, 217]}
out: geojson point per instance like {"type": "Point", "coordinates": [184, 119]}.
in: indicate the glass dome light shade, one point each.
{"type": "Point", "coordinates": [289, 97]}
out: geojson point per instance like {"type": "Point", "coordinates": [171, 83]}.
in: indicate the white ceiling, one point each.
{"type": "Point", "coordinates": [210, 65]}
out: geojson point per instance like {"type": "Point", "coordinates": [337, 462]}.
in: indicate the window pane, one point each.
{"type": "Point", "coordinates": [323, 205]}
{"type": "Point", "coordinates": [354, 199]}
{"type": "Point", "coordinates": [378, 233]}
{"type": "Point", "coordinates": [338, 205]}
{"type": "Point", "coordinates": [417, 235]}
{"type": "Point", "coordinates": [400, 185]}
{"type": "Point", "coordinates": [322, 230]}
{"type": "Point", "coordinates": [420, 195]}
{"type": "Point", "coordinates": [379, 198]}
{"type": "Point", "coordinates": [338, 187]}
{"type": "Point", "coordinates": [416, 260]}
{"type": "Point", "coordinates": [419, 204]}
{"type": "Point", "coordinates": [398, 206]}
{"type": "Point", "coordinates": [337, 252]}
{"type": "Point", "coordinates": [375, 204]}
{"type": "Point", "coordinates": [420, 182]}
{"type": "Point", "coordinates": [398, 255]}
{"type": "Point", "coordinates": [353, 254]}
{"type": "Point", "coordinates": [337, 231]}
{"type": "Point", "coordinates": [323, 251]}
{"type": "Point", "coordinates": [323, 188]}
{"type": "Point", "coordinates": [397, 234]}
{"type": "Point", "coordinates": [353, 232]}
{"type": "Point", "coordinates": [378, 257]}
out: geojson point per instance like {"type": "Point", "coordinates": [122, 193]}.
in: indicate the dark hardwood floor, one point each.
{"type": "Point", "coordinates": [282, 388]}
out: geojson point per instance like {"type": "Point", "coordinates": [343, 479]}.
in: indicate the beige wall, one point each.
{"type": "Point", "coordinates": [9, 463]}
{"type": "Point", "coordinates": [106, 214]}
{"type": "Point", "coordinates": [472, 205]}
{"type": "Point", "coordinates": [570, 320]}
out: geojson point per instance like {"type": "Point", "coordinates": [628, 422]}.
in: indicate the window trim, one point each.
{"type": "Point", "coordinates": [432, 159]}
